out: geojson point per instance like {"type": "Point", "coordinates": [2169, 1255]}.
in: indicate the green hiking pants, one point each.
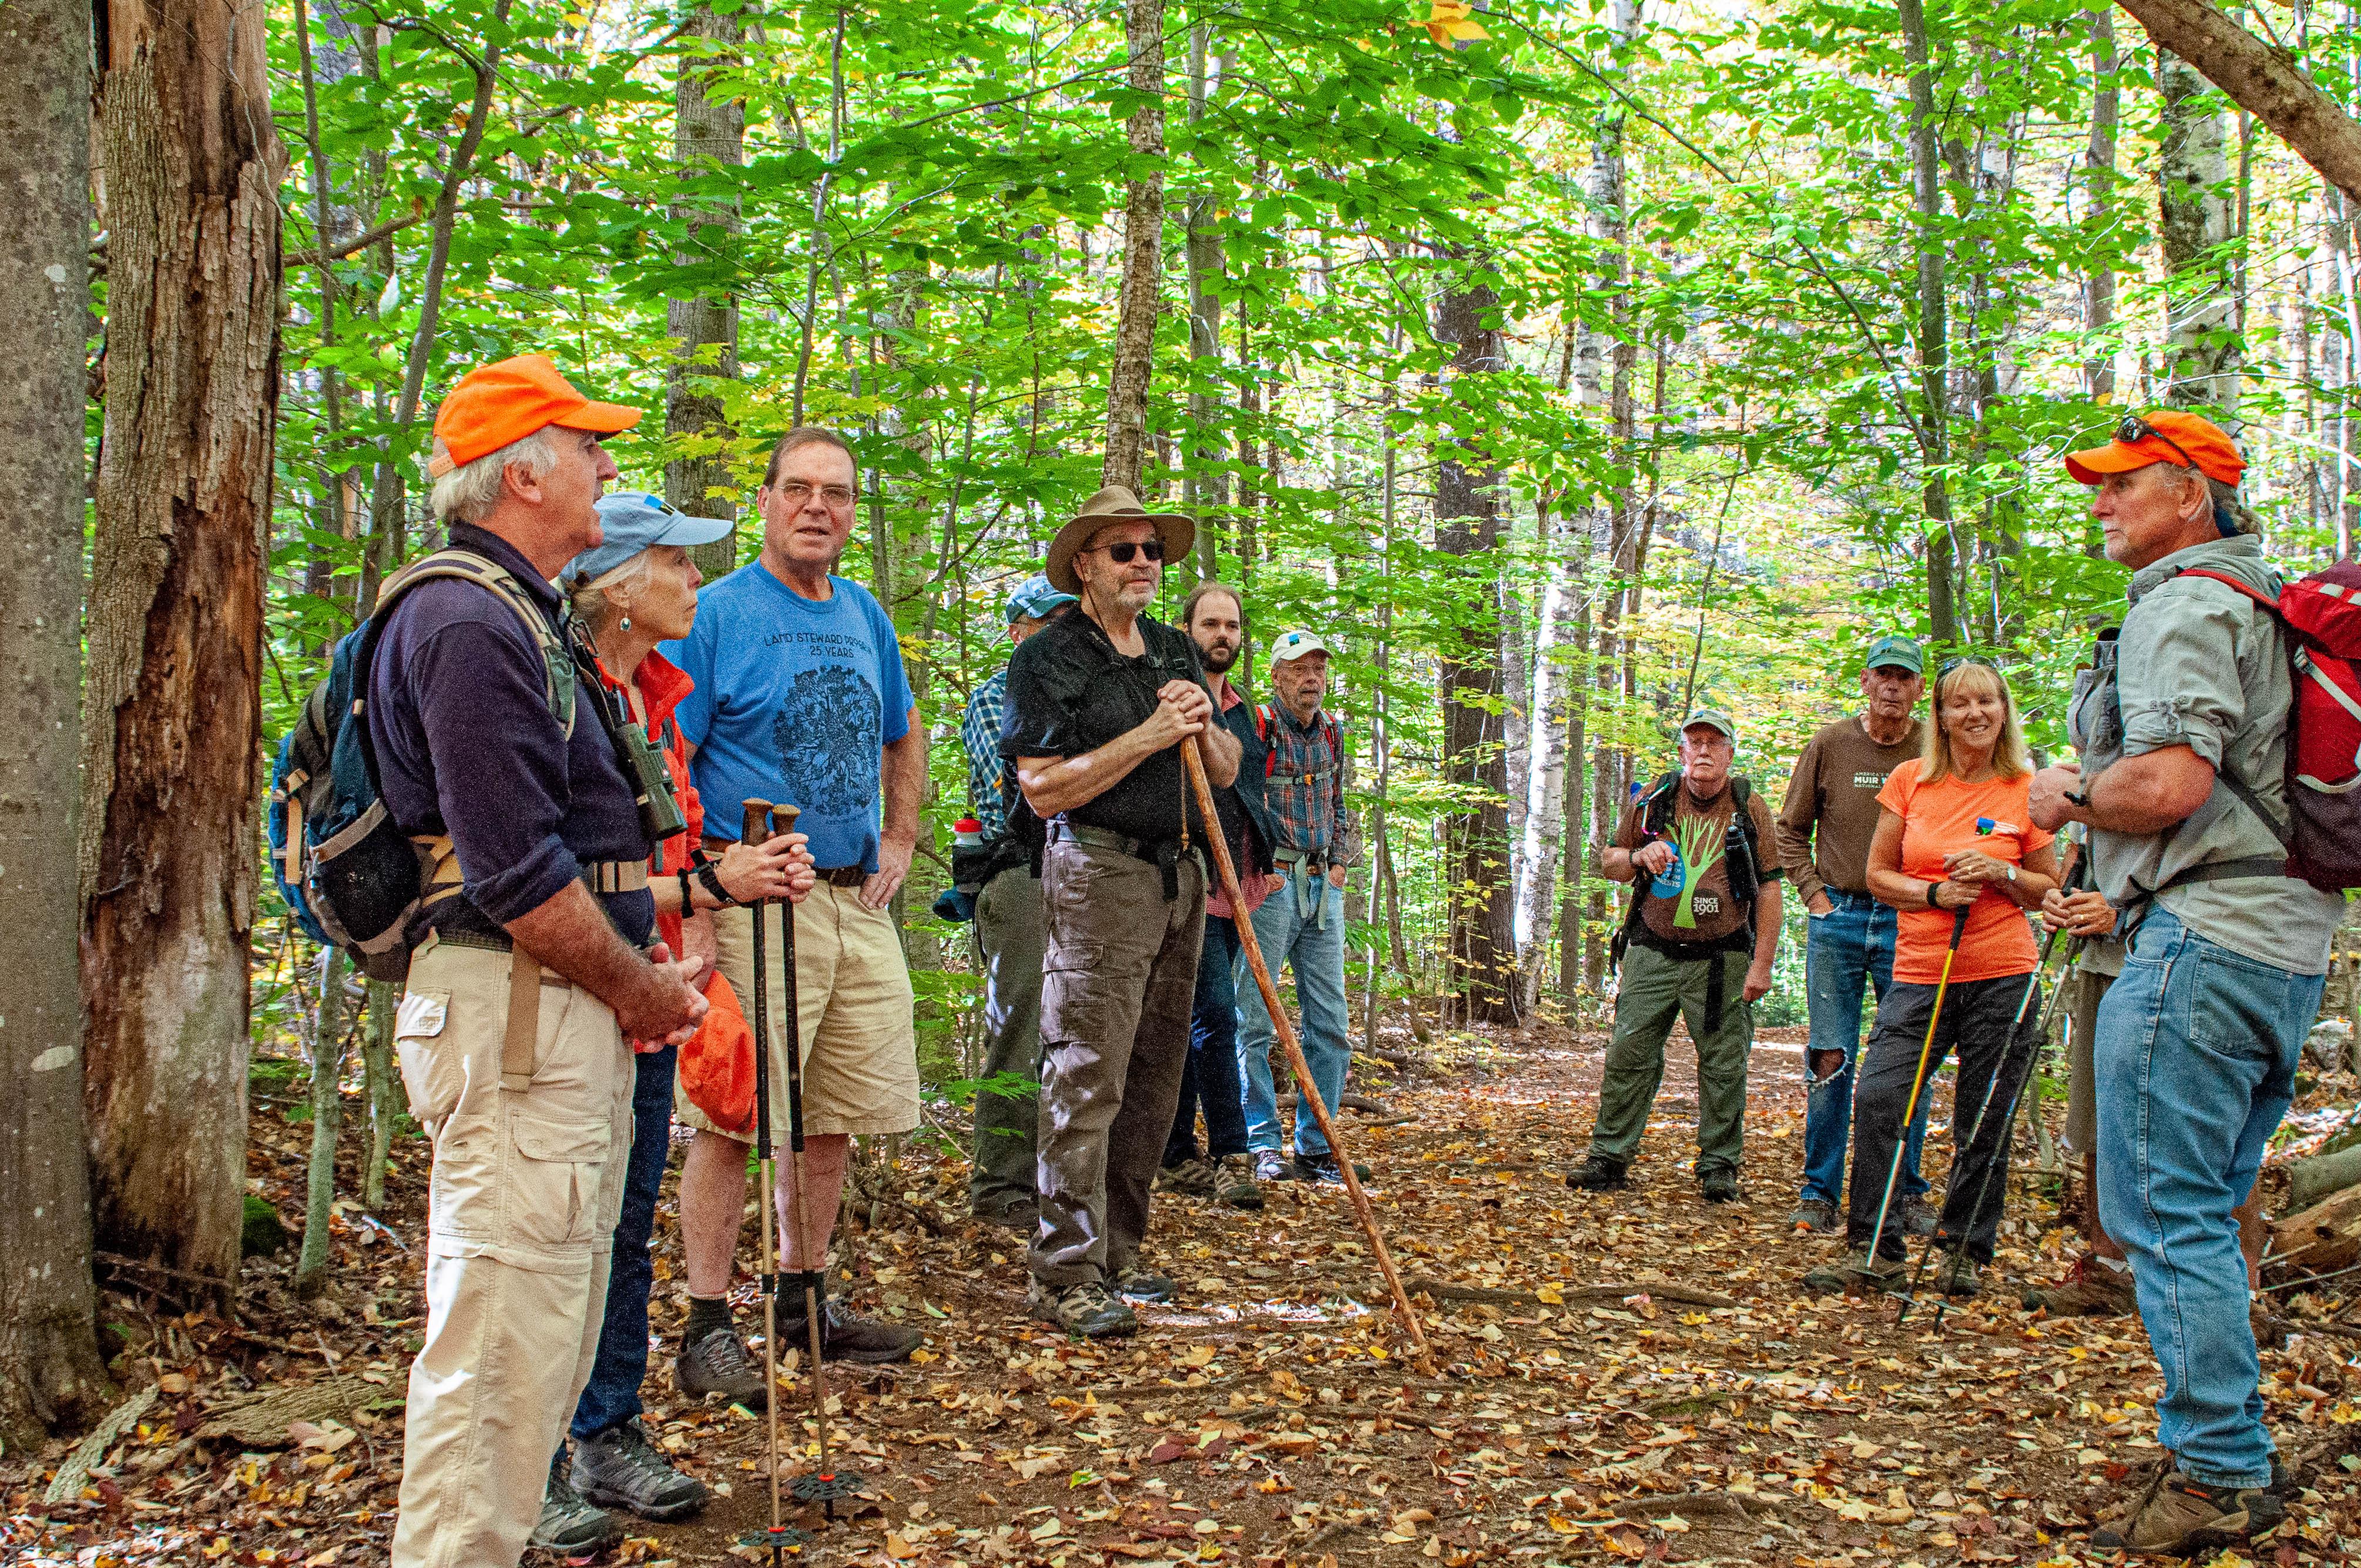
{"type": "Point", "coordinates": [1654, 990]}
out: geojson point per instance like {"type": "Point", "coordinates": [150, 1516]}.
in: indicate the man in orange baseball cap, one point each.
{"type": "Point", "coordinates": [2186, 441]}
{"type": "Point", "coordinates": [504, 402]}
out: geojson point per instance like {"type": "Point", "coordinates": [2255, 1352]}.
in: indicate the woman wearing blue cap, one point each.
{"type": "Point", "coordinates": [631, 590]}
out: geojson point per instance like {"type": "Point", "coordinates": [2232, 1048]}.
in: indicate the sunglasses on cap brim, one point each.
{"type": "Point", "coordinates": [2133, 430]}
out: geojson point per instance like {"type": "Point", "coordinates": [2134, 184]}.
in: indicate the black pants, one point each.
{"type": "Point", "coordinates": [1975, 1024]}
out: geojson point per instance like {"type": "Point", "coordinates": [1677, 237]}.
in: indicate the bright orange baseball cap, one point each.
{"type": "Point", "coordinates": [509, 400]}
{"type": "Point", "coordinates": [2161, 435]}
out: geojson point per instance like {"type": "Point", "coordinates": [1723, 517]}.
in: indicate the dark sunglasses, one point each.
{"type": "Point", "coordinates": [2135, 430]}
{"type": "Point", "coordinates": [1121, 554]}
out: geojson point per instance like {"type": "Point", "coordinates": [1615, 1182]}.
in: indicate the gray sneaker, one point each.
{"type": "Point", "coordinates": [619, 1469]}
{"type": "Point", "coordinates": [1814, 1217]}
{"type": "Point", "coordinates": [1090, 1309]}
{"type": "Point", "coordinates": [569, 1525]}
{"type": "Point", "coordinates": [1270, 1164]}
{"type": "Point", "coordinates": [1138, 1284]}
{"type": "Point", "coordinates": [719, 1364]}
{"type": "Point", "coordinates": [1919, 1216]}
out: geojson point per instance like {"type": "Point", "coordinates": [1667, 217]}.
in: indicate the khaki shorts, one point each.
{"type": "Point", "coordinates": [860, 1047]}
{"type": "Point", "coordinates": [2081, 1088]}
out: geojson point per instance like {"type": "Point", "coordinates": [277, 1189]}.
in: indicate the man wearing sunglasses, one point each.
{"type": "Point", "coordinates": [2181, 727]}
{"type": "Point", "coordinates": [801, 698]}
{"type": "Point", "coordinates": [1099, 703]}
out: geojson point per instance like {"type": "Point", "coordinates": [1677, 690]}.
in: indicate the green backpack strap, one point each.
{"type": "Point", "coordinates": [557, 662]}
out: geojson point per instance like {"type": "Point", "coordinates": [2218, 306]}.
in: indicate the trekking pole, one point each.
{"type": "Point", "coordinates": [1194, 761]}
{"type": "Point", "coordinates": [1926, 1050]}
{"type": "Point", "coordinates": [822, 1485]}
{"type": "Point", "coordinates": [778, 1538]}
{"type": "Point", "coordinates": [2008, 1130]}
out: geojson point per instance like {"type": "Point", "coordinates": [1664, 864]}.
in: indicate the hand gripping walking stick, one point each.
{"type": "Point", "coordinates": [1926, 1050]}
{"type": "Point", "coordinates": [1195, 762]}
{"type": "Point", "coordinates": [823, 1485]}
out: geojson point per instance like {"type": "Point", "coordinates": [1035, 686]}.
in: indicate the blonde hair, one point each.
{"type": "Point", "coordinates": [2010, 758]}
{"type": "Point", "coordinates": [590, 595]}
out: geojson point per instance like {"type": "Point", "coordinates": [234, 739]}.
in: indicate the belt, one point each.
{"type": "Point", "coordinates": [1303, 858]}
{"type": "Point", "coordinates": [1164, 854]}
{"type": "Point", "coordinates": [835, 877]}
{"type": "Point", "coordinates": [521, 1038]}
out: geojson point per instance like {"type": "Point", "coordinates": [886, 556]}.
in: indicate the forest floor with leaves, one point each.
{"type": "Point", "coordinates": [1630, 1376]}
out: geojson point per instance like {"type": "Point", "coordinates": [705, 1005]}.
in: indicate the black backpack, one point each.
{"type": "Point", "coordinates": [350, 877]}
{"type": "Point", "coordinates": [1745, 874]}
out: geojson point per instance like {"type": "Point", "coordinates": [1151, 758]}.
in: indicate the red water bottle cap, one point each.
{"type": "Point", "coordinates": [967, 825]}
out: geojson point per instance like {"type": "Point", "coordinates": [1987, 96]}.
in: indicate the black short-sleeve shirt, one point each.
{"type": "Point", "coordinates": [1070, 692]}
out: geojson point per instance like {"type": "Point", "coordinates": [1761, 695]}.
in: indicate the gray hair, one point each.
{"type": "Point", "coordinates": [2227, 504]}
{"type": "Point", "coordinates": [592, 603]}
{"type": "Point", "coordinates": [470, 491]}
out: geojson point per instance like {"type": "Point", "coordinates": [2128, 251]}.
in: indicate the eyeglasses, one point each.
{"type": "Point", "coordinates": [1121, 554]}
{"type": "Point", "coordinates": [2135, 430]}
{"type": "Point", "coordinates": [792, 494]}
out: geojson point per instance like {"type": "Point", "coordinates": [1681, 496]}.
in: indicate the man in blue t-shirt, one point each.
{"type": "Point", "coordinates": [801, 699]}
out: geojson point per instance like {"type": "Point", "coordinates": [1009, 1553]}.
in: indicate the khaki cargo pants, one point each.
{"type": "Point", "coordinates": [528, 1184]}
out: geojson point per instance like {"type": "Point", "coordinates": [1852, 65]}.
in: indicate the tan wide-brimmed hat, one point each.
{"type": "Point", "coordinates": [1114, 504]}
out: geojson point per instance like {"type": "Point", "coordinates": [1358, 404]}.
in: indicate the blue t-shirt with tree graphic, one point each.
{"type": "Point", "coordinates": [796, 699]}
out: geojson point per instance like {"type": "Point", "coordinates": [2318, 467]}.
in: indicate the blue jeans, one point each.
{"type": "Point", "coordinates": [1211, 1079]}
{"type": "Point", "coordinates": [2194, 1057]}
{"type": "Point", "coordinates": [1850, 946]}
{"type": "Point", "coordinates": [1312, 940]}
{"type": "Point", "coordinates": [613, 1395]}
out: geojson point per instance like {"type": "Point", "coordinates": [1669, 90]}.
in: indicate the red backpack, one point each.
{"type": "Point", "coordinates": [2321, 614]}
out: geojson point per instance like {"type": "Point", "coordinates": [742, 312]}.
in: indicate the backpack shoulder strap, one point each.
{"type": "Point", "coordinates": [2268, 602]}
{"type": "Point", "coordinates": [556, 660]}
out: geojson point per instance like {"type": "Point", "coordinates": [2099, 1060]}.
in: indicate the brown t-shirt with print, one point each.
{"type": "Point", "coordinates": [1832, 811]}
{"type": "Point", "coordinates": [1696, 905]}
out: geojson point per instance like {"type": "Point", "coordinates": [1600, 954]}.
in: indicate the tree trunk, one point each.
{"type": "Point", "coordinates": [709, 133]}
{"type": "Point", "coordinates": [2264, 81]}
{"type": "Point", "coordinates": [2193, 231]}
{"type": "Point", "coordinates": [2099, 194]}
{"type": "Point", "coordinates": [1143, 251]}
{"type": "Point", "coordinates": [1481, 901]}
{"type": "Point", "coordinates": [327, 1121]}
{"type": "Point", "coordinates": [1205, 488]}
{"type": "Point", "coordinates": [388, 1102]}
{"type": "Point", "coordinates": [1926, 193]}
{"type": "Point", "coordinates": [171, 739]}
{"type": "Point", "coordinates": [50, 1371]}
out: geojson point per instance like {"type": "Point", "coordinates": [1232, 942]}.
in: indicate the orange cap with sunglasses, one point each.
{"type": "Point", "coordinates": [2161, 435]}
{"type": "Point", "coordinates": [496, 404]}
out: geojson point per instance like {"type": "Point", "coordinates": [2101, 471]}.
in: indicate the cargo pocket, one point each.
{"type": "Point", "coordinates": [553, 1190]}
{"type": "Point", "coordinates": [432, 1079]}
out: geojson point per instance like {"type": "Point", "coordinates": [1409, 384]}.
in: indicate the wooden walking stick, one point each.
{"type": "Point", "coordinates": [778, 1539]}
{"type": "Point", "coordinates": [1195, 762]}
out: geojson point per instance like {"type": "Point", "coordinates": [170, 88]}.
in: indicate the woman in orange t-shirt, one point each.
{"type": "Point", "coordinates": [1955, 849]}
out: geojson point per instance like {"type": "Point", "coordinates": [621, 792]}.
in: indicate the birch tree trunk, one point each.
{"type": "Point", "coordinates": [49, 1372]}
{"type": "Point", "coordinates": [1143, 250]}
{"type": "Point", "coordinates": [171, 741]}
{"type": "Point", "coordinates": [1205, 489]}
{"type": "Point", "coordinates": [709, 133]}
{"type": "Point", "coordinates": [2099, 196]}
{"type": "Point", "coordinates": [2193, 230]}
{"type": "Point", "coordinates": [327, 1122]}
{"type": "Point", "coordinates": [1481, 900]}
{"type": "Point", "coordinates": [1934, 357]}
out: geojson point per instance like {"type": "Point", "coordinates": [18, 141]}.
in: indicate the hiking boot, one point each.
{"type": "Point", "coordinates": [1138, 1284]}
{"type": "Point", "coordinates": [2177, 1516]}
{"type": "Point", "coordinates": [1022, 1214]}
{"type": "Point", "coordinates": [1321, 1169]}
{"type": "Point", "coordinates": [1814, 1217]}
{"type": "Point", "coordinates": [719, 1364]}
{"type": "Point", "coordinates": [1919, 1217]}
{"type": "Point", "coordinates": [620, 1468]}
{"type": "Point", "coordinates": [844, 1335]}
{"type": "Point", "coordinates": [569, 1525]}
{"type": "Point", "coordinates": [1956, 1276]}
{"type": "Point", "coordinates": [1718, 1186]}
{"type": "Point", "coordinates": [1600, 1173]}
{"type": "Point", "coordinates": [2092, 1290]}
{"type": "Point", "coordinates": [1860, 1273]}
{"type": "Point", "coordinates": [1193, 1178]}
{"type": "Point", "coordinates": [1089, 1310]}
{"type": "Point", "coordinates": [1269, 1165]}
{"type": "Point", "coordinates": [1234, 1184]}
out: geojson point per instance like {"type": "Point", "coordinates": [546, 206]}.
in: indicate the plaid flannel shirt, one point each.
{"type": "Point", "coordinates": [980, 736]}
{"type": "Point", "coordinates": [1308, 812]}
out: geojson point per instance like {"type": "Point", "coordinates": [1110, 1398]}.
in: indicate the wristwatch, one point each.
{"type": "Point", "coordinates": [2012, 873]}
{"type": "Point", "coordinates": [2081, 800]}
{"type": "Point", "coordinates": [709, 876]}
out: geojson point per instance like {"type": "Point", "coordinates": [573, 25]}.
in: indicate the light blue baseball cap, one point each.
{"type": "Point", "coordinates": [1035, 600]}
{"type": "Point", "coordinates": [634, 520]}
